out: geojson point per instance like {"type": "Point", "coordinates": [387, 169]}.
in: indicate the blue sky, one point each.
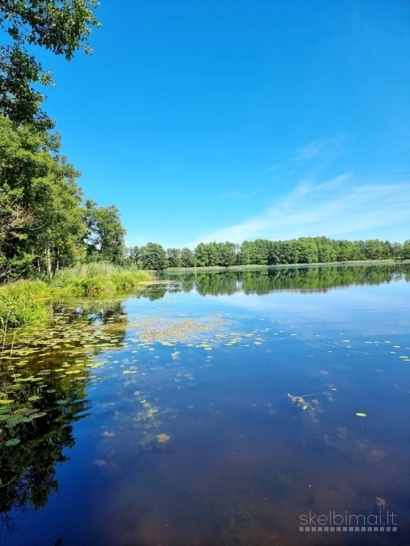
{"type": "Point", "coordinates": [232, 120]}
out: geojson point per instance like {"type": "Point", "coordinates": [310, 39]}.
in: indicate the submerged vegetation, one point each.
{"type": "Point", "coordinates": [43, 377]}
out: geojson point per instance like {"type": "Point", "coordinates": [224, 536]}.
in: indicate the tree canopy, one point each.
{"type": "Point", "coordinates": [60, 26]}
{"type": "Point", "coordinates": [44, 222]}
{"type": "Point", "coordinates": [305, 250]}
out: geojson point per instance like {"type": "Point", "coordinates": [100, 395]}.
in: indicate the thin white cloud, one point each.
{"type": "Point", "coordinates": [341, 207]}
{"type": "Point", "coordinates": [324, 149]}
{"type": "Point", "coordinates": [311, 150]}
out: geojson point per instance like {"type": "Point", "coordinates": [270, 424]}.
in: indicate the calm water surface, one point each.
{"type": "Point", "coordinates": [219, 410]}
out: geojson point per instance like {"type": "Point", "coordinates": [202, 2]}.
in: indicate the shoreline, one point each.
{"type": "Point", "coordinates": [284, 266]}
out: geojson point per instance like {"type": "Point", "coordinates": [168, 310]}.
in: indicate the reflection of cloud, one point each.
{"type": "Point", "coordinates": [335, 209]}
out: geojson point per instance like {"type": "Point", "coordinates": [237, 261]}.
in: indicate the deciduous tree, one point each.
{"type": "Point", "coordinates": [60, 26]}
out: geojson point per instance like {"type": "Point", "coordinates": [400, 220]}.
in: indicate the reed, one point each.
{"type": "Point", "coordinates": [29, 301]}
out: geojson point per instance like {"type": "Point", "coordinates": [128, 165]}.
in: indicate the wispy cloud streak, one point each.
{"type": "Point", "coordinates": [341, 207]}
{"type": "Point", "coordinates": [323, 149]}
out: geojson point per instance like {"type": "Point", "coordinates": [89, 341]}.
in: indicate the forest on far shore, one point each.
{"type": "Point", "coordinates": [305, 250]}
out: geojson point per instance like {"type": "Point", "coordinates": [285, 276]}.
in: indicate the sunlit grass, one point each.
{"type": "Point", "coordinates": [97, 278]}
{"type": "Point", "coordinates": [29, 301]}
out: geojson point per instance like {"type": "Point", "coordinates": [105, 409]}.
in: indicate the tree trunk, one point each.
{"type": "Point", "coordinates": [48, 262]}
{"type": "Point", "coordinates": [57, 266]}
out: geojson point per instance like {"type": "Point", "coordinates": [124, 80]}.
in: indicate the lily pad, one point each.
{"type": "Point", "coordinates": [12, 442]}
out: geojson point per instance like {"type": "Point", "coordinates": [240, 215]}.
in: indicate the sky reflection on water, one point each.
{"type": "Point", "coordinates": [221, 420]}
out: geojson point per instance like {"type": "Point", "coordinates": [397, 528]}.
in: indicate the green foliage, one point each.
{"type": "Point", "coordinates": [30, 301]}
{"type": "Point", "coordinates": [174, 257]}
{"type": "Point", "coordinates": [105, 236]}
{"type": "Point", "coordinates": [153, 257]}
{"type": "Point", "coordinates": [96, 278]}
{"type": "Point", "coordinates": [41, 225]}
{"type": "Point", "coordinates": [305, 250]}
{"type": "Point", "coordinates": [201, 256]}
{"type": "Point", "coordinates": [60, 26]}
{"type": "Point", "coordinates": [405, 251]}
{"type": "Point", "coordinates": [187, 258]}
{"type": "Point", "coordinates": [23, 302]}
{"type": "Point", "coordinates": [44, 224]}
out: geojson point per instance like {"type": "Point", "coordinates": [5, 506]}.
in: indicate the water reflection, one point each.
{"type": "Point", "coordinates": [44, 374]}
{"type": "Point", "coordinates": [28, 470]}
{"type": "Point", "coordinates": [267, 280]}
{"type": "Point", "coordinates": [210, 424]}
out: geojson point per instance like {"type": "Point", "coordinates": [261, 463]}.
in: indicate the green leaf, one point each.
{"type": "Point", "coordinates": [12, 442]}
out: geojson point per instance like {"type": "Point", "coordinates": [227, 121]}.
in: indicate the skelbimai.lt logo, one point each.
{"type": "Point", "coordinates": [334, 522]}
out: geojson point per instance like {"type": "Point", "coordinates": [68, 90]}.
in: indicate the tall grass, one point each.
{"type": "Point", "coordinates": [97, 278]}
{"type": "Point", "coordinates": [24, 302]}
{"type": "Point", "coordinates": [29, 301]}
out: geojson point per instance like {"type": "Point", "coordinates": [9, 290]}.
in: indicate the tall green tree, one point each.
{"type": "Point", "coordinates": [187, 257]}
{"type": "Point", "coordinates": [174, 257]}
{"type": "Point", "coordinates": [153, 256]}
{"type": "Point", "coordinates": [227, 254]}
{"type": "Point", "coordinates": [405, 255]}
{"type": "Point", "coordinates": [40, 202]}
{"type": "Point", "coordinates": [201, 255]}
{"type": "Point", "coordinates": [60, 26]}
{"type": "Point", "coordinates": [105, 237]}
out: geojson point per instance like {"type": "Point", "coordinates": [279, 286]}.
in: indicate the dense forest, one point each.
{"type": "Point", "coordinates": [305, 250]}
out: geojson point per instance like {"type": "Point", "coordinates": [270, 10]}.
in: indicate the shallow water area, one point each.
{"type": "Point", "coordinates": [220, 409]}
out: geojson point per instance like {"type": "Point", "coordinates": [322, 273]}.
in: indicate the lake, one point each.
{"type": "Point", "coordinates": [219, 409]}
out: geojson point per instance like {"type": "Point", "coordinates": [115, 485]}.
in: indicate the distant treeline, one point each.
{"type": "Point", "coordinates": [305, 250]}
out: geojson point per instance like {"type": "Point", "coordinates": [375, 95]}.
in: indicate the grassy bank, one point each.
{"type": "Point", "coordinates": [29, 301]}
{"type": "Point", "coordinates": [276, 266]}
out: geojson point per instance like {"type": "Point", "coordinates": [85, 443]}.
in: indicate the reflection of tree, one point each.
{"type": "Point", "coordinates": [27, 471]}
{"type": "Point", "coordinates": [155, 292]}
{"type": "Point", "coordinates": [304, 278]}
{"type": "Point", "coordinates": [98, 311]}
{"type": "Point", "coordinates": [44, 424]}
